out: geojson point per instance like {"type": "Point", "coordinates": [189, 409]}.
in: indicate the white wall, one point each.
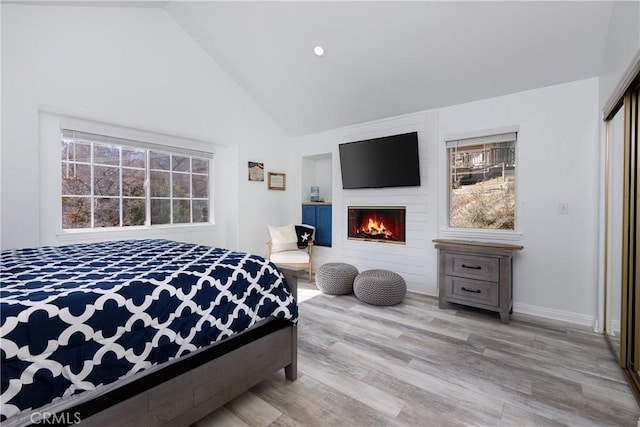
{"type": "Point", "coordinates": [555, 275]}
{"type": "Point", "coordinates": [316, 171]}
{"type": "Point", "coordinates": [557, 162]}
{"type": "Point", "coordinates": [413, 259]}
{"type": "Point", "coordinates": [323, 145]}
{"type": "Point", "coordinates": [622, 45]}
{"type": "Point", "coordinates": [131, 67]}
{"type": "Point", "coordinates": [619, 66]}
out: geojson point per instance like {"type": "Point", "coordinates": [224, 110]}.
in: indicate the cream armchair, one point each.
{"type": "Point", "coordinates": [292, 245]}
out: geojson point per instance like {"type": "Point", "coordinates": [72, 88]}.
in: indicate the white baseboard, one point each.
{"type": "Point", "coordinates": [551, 313]}
{"type": "Point", "coordinates": [420, 290]}
{"type": "Point", "coordinates": [615, 327]}
{"type": "Point", "coordinates": [543, 312]}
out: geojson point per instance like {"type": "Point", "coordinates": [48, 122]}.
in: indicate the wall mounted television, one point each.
{"type": "Point", "coordinates": [390, 161]}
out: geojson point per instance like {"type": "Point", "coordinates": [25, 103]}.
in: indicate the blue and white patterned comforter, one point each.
{"type": "Point", "coordinates": [79, 316]}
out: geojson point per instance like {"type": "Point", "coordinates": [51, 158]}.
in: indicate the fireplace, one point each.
{"type": "Point", "coordinates": [377, 223]}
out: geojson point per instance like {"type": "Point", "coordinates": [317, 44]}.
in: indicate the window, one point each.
{"type": "Point", "coordinates": [114, 182]}
{"type": "Point", "coordinates": [482, 182]}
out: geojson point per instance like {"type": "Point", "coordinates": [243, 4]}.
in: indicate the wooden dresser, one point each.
{"type": "Point", "coordinates": [476, 274]}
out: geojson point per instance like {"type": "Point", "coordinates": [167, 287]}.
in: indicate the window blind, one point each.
{"type": "Point", "coordinates": [70, 135]}
{"type": "Point", "coordinates": [488, 139]}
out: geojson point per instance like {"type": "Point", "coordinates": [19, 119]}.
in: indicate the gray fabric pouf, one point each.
{"type": "Point", "coordinates": [336, 278]}
{"type": "Point", "coordinates": [380, 287]}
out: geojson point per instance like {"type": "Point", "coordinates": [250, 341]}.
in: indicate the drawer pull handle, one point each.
{"type": "Point", "coordinates": [472, 267]}
{"type": "Point", "coordinates": [474, 291]}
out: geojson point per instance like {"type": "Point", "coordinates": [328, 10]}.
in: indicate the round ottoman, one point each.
{"type": "Point", "coordinates": [336, 278]}
{"type": "Point", "coordinates": [380, 287]}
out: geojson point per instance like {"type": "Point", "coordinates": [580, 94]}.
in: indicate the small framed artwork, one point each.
{"type": "Point", "coordinates": [277, 181]}
{"type": "Point", "coordinates": [256, 171]}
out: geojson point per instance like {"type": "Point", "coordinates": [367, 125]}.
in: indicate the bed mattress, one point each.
{"type": "Point", "coordinates": [78, 317]}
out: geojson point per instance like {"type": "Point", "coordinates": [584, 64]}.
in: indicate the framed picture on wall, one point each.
{"type": "Point", "coordinates": [277, 181]}
{"type": "Point", "coordinates": [256, 171]}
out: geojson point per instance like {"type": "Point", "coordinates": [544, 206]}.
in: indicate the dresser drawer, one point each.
{"type": "Point", "coordinates": [472, 291]}
{"type": "Point", "coordinates": [477, 274]}
{"type": "Point", "coordinates": [472, 266]}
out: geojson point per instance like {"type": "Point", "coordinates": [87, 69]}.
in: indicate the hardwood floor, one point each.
{"type": "Point", "coordinates": [416, 365]}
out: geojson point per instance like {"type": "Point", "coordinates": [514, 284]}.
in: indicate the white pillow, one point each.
{"type": "Point", "coordinates": [283, 238]}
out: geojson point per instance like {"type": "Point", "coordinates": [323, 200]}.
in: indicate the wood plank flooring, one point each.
{"type": "Point", "coordinates": [416, 365]}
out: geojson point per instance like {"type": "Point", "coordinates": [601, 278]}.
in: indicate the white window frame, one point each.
{"type": "Point", "coordinates": [141, 139]}
{"type": "Point", "coordinates": [448, 232]}
{"type": "Point", "coordinates": [92, 140]}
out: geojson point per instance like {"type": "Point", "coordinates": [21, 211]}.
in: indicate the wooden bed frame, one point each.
{"type": "Point", "coordinates": [186, 398]}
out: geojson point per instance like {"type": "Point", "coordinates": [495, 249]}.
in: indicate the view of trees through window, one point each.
{"type": "Point", "coordinates": [105, 185]}
{"type": "Point", "coordinates": [482, 186]}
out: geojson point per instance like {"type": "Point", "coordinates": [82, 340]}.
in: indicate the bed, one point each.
{"type": "Point", "coordinates": [139, 331]}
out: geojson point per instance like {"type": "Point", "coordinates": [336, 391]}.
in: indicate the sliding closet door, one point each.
{"type": "Point", "coordinates": [614, 171]}
{"type": "Point", "coordinates": [622, 249]}
{"type": "Point", "coordinates": [630, 229]}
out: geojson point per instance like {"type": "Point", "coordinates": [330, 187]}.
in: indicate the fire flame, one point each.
{"type": "Point", "coordinates": [375, 227]}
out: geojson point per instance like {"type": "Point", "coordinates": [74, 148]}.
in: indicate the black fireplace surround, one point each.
{"type": "Point", "coordinates": [377, 223]}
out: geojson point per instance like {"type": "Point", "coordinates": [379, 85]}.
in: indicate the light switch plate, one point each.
{"type": "Point", "coordinates": [563, 208]}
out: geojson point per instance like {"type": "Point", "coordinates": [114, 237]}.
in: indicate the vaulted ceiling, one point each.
{"type": "Point", "coordinates": [389, 58]}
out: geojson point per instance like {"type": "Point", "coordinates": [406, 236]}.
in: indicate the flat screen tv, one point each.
{"type": "Point", "coordinates": [390, 161]}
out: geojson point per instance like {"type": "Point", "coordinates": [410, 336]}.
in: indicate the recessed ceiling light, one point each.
{"type": "Point", "coordinates": [318, 50]}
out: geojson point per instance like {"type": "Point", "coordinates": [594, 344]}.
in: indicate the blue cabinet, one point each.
{"type": "Point", "coordinates": [319, 215]}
